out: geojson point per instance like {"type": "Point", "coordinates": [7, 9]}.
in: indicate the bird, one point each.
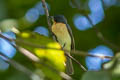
{"type": "Point", "coordinates": [63, 35]}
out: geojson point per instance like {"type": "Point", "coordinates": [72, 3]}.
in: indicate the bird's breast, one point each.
{"type": "Point", "coordinates": [62, 34]}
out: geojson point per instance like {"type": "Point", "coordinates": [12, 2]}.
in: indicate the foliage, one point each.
{"type": "Point", "coordinates": [19, 20]}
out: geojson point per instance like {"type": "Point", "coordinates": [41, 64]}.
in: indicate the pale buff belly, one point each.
{"type": "Point", "coordinates": [62, 35]}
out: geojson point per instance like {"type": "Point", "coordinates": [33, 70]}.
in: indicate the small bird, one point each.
{"type": "Point", "coordinates": [63, 35]}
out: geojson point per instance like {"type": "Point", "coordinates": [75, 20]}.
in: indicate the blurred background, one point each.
{"type": "Point", "coordinates": [29, 15]}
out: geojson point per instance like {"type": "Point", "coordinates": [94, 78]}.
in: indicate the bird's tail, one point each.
{"type": "Point", "coordinates": [69, 66]}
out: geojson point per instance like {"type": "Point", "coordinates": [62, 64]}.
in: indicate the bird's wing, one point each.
{"type": "Point", "coordinates": [54, 37]}
{"type": "Point", "coordinates": [72, 37]}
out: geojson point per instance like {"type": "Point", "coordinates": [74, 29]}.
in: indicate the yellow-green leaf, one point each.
{"type": "Point", "coordinates": [51, 55]}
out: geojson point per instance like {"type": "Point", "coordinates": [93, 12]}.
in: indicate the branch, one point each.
{"type": "Point", "coordinates": [82, 67]}
{"type": "Point", "coordinates": [47, 14]}
{"type": "Point", "coordinates": [103, 5]}
{"type": "Point", "coordinates": [84, 54]}
{"type": "Point", "coordinates": [76, 52]}
{"type": "Point", "coordinates": [28, 54]}
{"type": "Point", "coordinates": [22, 50]}
{"type": "Point", "coordinates": [98, 33]}
{"type": "Point", "coordinates": [18, 66]}
{"type": "Point", "coordinates": [34, 58]}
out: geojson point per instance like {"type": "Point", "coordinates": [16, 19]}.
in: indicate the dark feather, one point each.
{"type": "Point", "coordinates": [55, 38]}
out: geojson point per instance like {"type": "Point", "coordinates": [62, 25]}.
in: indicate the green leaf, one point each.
{"type": "Point", "coordinates": [109, 64]}
{"type": "Point", "coordinates": [53, 57]}
{"type": "Point", "coordinates": [92, 75]}
{"type": "Point", "coordinates": [113, 65]}
{"type": "Point", "coordinates": [24, 24]}
{"type": "Point", "coordinates": [8, 25]}
{"type": "Point", "coordinates": [17, 76]}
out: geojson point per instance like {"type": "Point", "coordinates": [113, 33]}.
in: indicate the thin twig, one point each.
{"type": "Point", "coordinates": [47, 14]}
{"type": "Point", "coordinates": [83, 68]}
{"type": "Point", "coordinates": [47, 17]}
{"type": "Point", "coordinates": [103, 5]}
{"type": "Point", "coordinates": [22, 50]}
{"type": "Point", "coordinates": [18, 66]}
{"type": "Point", "coordinates": [98, 33]}
{"type": "Point", "coordinates": [82, 53]}
{"type": "Point", "coordinates": [6, 38]}
{"type": "Point", "coordinates": [76, 52]}
{"type": "Point", "coordinates": [27, 53]}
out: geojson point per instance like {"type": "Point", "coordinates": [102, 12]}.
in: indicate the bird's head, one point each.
{"type": "Point", "coordinates": [58, 18]}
